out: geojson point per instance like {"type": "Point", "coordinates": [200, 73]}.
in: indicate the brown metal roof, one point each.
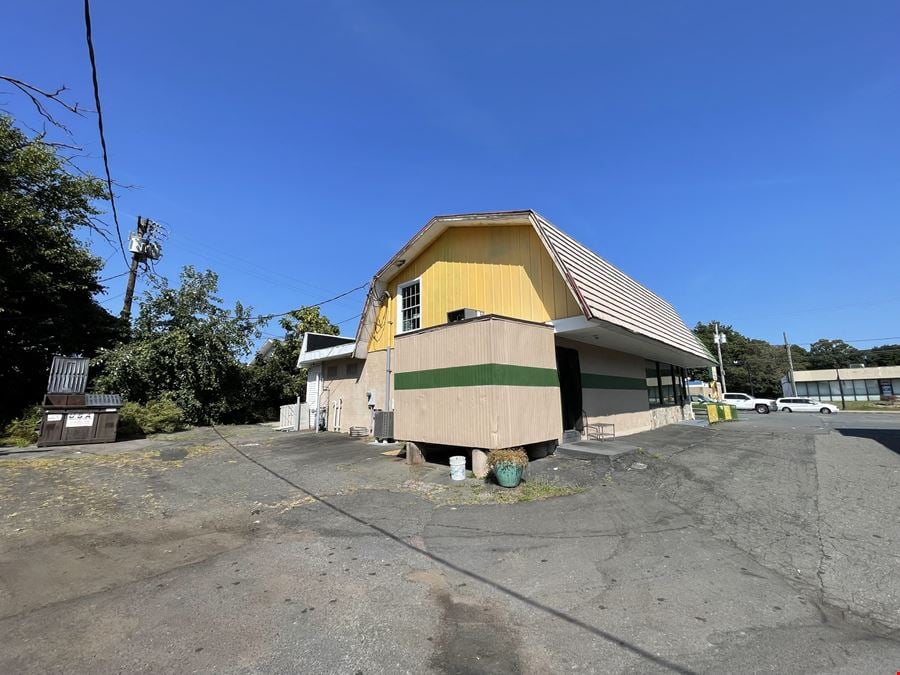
{"type": "Point", "coordinates": [608, 294]}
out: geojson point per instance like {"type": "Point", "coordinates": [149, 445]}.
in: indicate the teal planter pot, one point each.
{"type": "Point", "coordinates": [508, 475]}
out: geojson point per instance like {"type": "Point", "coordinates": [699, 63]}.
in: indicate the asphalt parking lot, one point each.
{"type": "Point", "coordinates": [768, 544]}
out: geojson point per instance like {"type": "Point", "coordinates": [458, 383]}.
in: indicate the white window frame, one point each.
{"type": "Point", "coordinates": [399, 297]}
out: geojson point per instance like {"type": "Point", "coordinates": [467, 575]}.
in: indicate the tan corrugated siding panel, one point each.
{"type": "Point", "coordinates": [489, 340]}
{"type": "Point", "coordinates": [526, 415]}
{"type": "Point", "coordinates": [461, 344]}
{"type": "Point", "coordinates": [524, 344]}
{"type": "Point", "coordinates": [478, 416]}
{"type": "Point", "coordinates": [613, 296]}
{"type": "Point", "coordinates": [452, 416]}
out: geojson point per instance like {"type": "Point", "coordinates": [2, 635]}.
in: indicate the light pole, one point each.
{"type": "Point", "coordinates": [720, 339]}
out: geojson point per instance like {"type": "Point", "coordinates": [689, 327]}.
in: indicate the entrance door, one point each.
{"type": "Point", "coordinates": [569, 370]}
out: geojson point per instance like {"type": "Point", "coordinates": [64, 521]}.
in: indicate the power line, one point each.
{"type": "Point", "coordinates": [109, 183]}
{"type": "Point", "coordinates": [104, 301]}
{"type": "Point", "coordinates": [100, 281]}
{"type": "Point", "coordinates": [853, 305]}
{"type": "Point", "coordinates": [252, 318]}
{"type": "Point", "coordinates": [894, 337]}
{"type": "Point", "coordinates": [317, 304]}
{"type": "Point", "coordinates": [221, 263]}
{"type": "Point", "coordinates": [206, 248]}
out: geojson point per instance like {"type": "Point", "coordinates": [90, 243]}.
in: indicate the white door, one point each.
{"type": "Point", "coordinates": [313, 382]}
{"type": "Point", "coordinates": [807, 405]}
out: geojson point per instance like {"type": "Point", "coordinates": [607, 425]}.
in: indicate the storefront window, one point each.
{"type": "Point", "coordinates": [668, 384]}
{"type": "Point", "coordinates": [680, 394]}
{"type": "Point", "coordinates": [652, 383]}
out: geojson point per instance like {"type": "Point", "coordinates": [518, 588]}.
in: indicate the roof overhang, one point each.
{"type": "Point", "coordinates": [609, 336]}
{"type": "Point", "coordinates": [309, 357]}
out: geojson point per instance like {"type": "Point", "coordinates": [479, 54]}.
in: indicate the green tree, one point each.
{"type": "Point", "coordinates": [826, 353]}
{"type": "Point", "coordinates": [48, 277]}
{"type": "Point", "coordinates": [751, 365]}
{"type": "Point", "coordinates": [885, 355]}
{"type": "Point", "coordinates": [185, 346]}
{"type": "Point", "coordinates": [274, 379]}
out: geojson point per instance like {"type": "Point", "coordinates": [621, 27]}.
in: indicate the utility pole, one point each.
{"type": "Point", "coordinates": [787, 345]}
{"type": "Point", "coordinates": [837, 372]}
{"type": "Point", "coordinates": [132, 273]}
{"type": "Point", "coordinates": [142, 248]}
{"type": "Point", "coordinates": [720, 338]}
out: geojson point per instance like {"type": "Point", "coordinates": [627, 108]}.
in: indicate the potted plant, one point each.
{"type": "Point", "coordinates": [508, 464]}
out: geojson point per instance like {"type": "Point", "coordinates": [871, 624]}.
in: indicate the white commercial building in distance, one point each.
{"type": "Point", "coordinates": [858, 384]}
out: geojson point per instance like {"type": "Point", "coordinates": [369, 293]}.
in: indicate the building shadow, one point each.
{"type": "Point", "coordinates": [889, 438]}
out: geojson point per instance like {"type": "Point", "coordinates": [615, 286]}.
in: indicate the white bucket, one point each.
{"type": "Point", "coordinates": [458, 467]}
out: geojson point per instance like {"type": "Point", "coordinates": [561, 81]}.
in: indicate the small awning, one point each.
{"type": "Point", "coordinates": [317, 348]}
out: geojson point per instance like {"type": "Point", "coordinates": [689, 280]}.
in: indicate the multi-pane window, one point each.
{"type": "Point", "coordinates": [410, 307]}
{"type": "Point", "coordinates": [652, 382]}
{"type": "Point", "coordinates": [665, 384]}
{"type": "Point", "coordinates": [668, 388]}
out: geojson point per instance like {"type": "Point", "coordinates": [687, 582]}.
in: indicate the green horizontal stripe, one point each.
{"type": "Point", "coordinates": [495, 374]}
{"type": "Point", "coordinates": [592, 381]}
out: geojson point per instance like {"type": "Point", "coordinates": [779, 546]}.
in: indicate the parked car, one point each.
{"type": "Point", "coordinates": [805, 405]}
{"type": "Point", "coordinates": [747, 402]}
{"type": "Point", "coordinates": [701, 399]}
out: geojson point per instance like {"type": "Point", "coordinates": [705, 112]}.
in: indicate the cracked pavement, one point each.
{"type": "Point", "coordinates": [770, 544]}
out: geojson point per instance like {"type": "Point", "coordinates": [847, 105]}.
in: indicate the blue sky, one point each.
{"type": "Point", "coordinates": [742, 161]}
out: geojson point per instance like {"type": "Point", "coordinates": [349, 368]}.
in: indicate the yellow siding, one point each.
{"type": "Point", "coordinates": [497, 270]}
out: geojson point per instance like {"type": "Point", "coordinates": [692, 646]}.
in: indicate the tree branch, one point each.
{"type": "Point", "coordinates": [39, 97]}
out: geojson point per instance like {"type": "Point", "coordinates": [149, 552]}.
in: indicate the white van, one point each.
{"type": "Point", "coordinates": [804, 405]}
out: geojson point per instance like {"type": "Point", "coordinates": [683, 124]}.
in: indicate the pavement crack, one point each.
{"type": "Point", "coordinates": [820, 567]}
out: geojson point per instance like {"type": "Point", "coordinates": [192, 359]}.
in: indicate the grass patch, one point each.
{"type": "Point", "coordinates": [14, 441]}
{"type": "Point", "coordinates": [871, 405]}
{"type": "Point", "coordinates": [534, 491]}
{"type": "Point", "coordinates": [22, 431]}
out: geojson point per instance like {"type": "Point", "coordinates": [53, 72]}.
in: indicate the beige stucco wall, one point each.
{"type": "Point", "coordinates": [605, 361]}
{"type": "Point", "coordinates": [635, 422]}
{"type": "Point", "coordinates": [350, 392]}
{"type": "Point", "coordinates": [628, 409]}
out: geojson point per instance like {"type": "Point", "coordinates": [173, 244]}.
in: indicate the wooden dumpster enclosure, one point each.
{"type": "Point", "coordinates": [488, 382]}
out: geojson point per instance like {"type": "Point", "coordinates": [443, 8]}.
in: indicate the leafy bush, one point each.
{"type": "Point", "coordinates": [158, 416]}
{"type": "Point", "coordinates": [22, 431]}
{"type": "Point", "coordinates": [508, 456]}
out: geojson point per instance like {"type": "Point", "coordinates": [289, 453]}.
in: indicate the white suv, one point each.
{"type": "Point", "coordinates": [805, 405]}
{"type": "Point", "coordinates": [746, 402]}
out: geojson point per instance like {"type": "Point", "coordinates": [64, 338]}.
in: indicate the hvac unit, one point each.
{"type": "Point", "coordinates": [462, 314]}
{"type": "Point", "coordinates": [384, 425]}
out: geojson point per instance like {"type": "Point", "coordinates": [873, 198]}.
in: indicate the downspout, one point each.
{"type": "Point", "coordinates": [387, 381]}
{"type": "Point", "coordinates": [387, 368]}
